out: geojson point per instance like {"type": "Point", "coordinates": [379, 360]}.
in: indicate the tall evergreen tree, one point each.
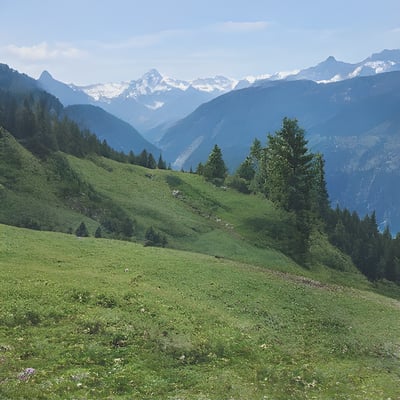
{"type": "Point", "coordinates": [289, 178]}
{"type": "Point", "coordinates": [215, 167]}
{"type": "Point", "coordinates": [151, 162]}
{"type": "Point", "coordinates": [161, 163]}
{"type": "Point", "coordinates": [319, 193]}
{"type": "Point", "coordinates": [143, 158]}
{"type": "Point", "coordinates": [289, 168]}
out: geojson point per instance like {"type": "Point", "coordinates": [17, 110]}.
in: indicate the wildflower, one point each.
{"type": "Point", "coordinates": [26, 374]}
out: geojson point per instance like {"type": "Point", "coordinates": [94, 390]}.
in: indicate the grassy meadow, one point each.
{"type": "Point", "coordinates": [222, 313]}
{"type": "Point", "coordinates": [85, 318]}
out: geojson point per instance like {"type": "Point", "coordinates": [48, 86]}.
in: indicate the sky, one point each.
{"type": "Point", "coordinates": [93, 41]}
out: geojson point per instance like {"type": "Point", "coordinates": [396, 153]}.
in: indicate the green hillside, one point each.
{"type": "Point", "coordinates": [222, 313]}
{"type": "Point", "coordinates": [59, 193]}
{"type": "Point", "coordinates": [89, 318]}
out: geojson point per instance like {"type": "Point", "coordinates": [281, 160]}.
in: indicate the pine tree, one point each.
{"type": "Point", "coordinates": [151, 162]}
{"type": "Point", "coordinates": [161, 163]}
{"type": "Point", "coordinates": [215, 167]}
{"type": "Point", "coordinates": [319, 193]}
{"type": "Point", "coordinates": [98, 233]}
{"type": "Point", "coordinates": [143, 158]}
{"type": "Point", "coordinates": [246, 169]}
{"type": "Point", "coordinates": [288, 183]}
{"type": "Point", "coordinates": [200, 169]}
{"type": "Point", "coordinates": [289, 168]}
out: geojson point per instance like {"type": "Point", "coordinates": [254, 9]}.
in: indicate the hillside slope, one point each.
{"type": "Point", "coordinates": [93, 318]}
{"type": "Point", "coordinates": [118, 134]}
{"type": "Point", "coordinates": [194, 215]}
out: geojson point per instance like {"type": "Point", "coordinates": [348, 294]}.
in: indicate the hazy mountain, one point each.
{"type": "Point", "coordinates": [12, 80]}
{"type": "Point", "coordinates": [65, 93]}
{"type": "Point", "coordinates": [155, 101]}
{"type": "Point", "coordinates": [332, 70]}
{"type": "Point", "coordinates": [118, 134]}
{"type": "Point", "coordinates": [355, 123]}
{"type": "Point", "coordinates": [150, 101]}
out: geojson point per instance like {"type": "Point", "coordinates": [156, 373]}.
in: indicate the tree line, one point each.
{"type": "Point", "coordinates": [293, 178]}
{"type": "Point", "coordinates": [35, 119]}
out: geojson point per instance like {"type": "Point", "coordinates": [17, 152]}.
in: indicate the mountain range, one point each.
{"type": "Point", "coordinates": [145, 103]}
{"type": "Point", "coordinates": [118, 134]}
{"type": "Point", "coordinates": [153, 102]}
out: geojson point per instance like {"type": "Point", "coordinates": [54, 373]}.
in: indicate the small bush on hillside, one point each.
{"type": "Point", "coordinates": [238, 183]}
{"type": "Point", "coordinates": [82, 230]}
{"type": "Point", "coordinates": [154, 238]}
{"type": "Point", "coordinates": [106, 301]}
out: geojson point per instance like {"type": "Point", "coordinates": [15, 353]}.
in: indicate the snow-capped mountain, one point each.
{"type": "Point", "coordinates": [332, 70]}
{"type": "Point", "coordinates": [155, 101]}
{"type": "Point", "coordinates": [153, 83]}
{"type": "Point", "coordinates": [147, 102]}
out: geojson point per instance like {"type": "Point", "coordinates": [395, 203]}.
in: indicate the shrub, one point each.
{"type": "Point", "coordinates": [82, 230]}
{"type": "Point", "coordinates": [154, 238]}
{"type": "Point", "coordinates": [238, 183]}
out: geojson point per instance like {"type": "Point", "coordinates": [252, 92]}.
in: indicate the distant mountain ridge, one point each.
{"type": "Point", "coordinates": [154, 102]}
{"type": "Point", "coordinates": [332, 70]}
{"type": "Point", "coordinates": [145, 103]}
{"type": "Point", "coordinates": [118, 134]}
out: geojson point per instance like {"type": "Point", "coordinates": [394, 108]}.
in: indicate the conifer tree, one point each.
{"type": "Point", "coordinates": [319, 193]}
{"type": "Point", "coordinates": [161, 163]}
{"type": "Point", "coordinates": [151, 162]}
{"type": "Point", "coordinates": [215, 167]}
{"type": "Point", "coordinates": [143, 158]}
{"type": "Point", "coordinates": [289, 168]}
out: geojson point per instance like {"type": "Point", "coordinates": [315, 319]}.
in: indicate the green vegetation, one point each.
{"type": "Point", "coordinates": [214, 169]}
{"type": "Point", "coordinates": [294, 179]}
{"type": "Point", "coordinates": [230, 315]}
{"type": "Point", "coordinates": [88, 318]}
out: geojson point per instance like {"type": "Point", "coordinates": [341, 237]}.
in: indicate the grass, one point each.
{"type": "Point", "coordinates": [207, 219]}
{"type": "Point", "coordinates": [98, 318]}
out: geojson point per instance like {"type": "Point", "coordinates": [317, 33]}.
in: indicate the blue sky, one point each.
{"type": "Point", "coordinates": [89, 41]}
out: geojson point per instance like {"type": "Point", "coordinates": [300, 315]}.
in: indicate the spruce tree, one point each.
{"type": "Point", "coordinates": [151, 162]}
{"type": "Point", "coordinates": [215, 167]}
{"type": "Point", "coordinates": [319, 193]}
{"type": "Point", "coordinates": [161, 163]}
{"type": "Point", "coordinates": [289, 168]}
{"type": "Point", "coordinates": [289, 179]}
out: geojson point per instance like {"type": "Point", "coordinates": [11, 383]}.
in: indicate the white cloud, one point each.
{"type": "Point", "coordinates": [42, 52]}
{"type": "Point", "coordinates": [241, 27]}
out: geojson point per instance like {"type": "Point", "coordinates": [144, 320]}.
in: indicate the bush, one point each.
{"type": "Point", "coordinates": [154, 238]}
{"type": "Point", "coordinates": [238, 183]}
{"type": "Point", "coordinates": [82, 230]}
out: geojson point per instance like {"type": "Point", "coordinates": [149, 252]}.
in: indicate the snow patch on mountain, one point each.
{"type": "Point", "coordinates": [103, 91]}
{"type": "Point", "coordinates": [181, 159]}
{"type": "Point", "coordinates": [218, 83]}
{"type": "Point", "coordinates": [156, 105]}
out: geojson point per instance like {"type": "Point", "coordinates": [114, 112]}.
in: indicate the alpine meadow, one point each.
{"type": "Point", "coordinates": [194, 259]}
